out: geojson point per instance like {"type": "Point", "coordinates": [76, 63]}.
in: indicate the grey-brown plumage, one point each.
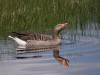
{"type": "Point", "coordinates": [34, 36]}
{"type": "Point", "coordinates": [39, 39]}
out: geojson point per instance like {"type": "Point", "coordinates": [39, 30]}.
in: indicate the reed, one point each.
{"type": "Point", "coordinates": [38, 15]}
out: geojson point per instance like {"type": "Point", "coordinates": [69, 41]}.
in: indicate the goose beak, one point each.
{"type": "Point", "coordinates": [64, 25]}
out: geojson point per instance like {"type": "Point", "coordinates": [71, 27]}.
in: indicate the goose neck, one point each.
{"type": "Point", "coordinates": [55, 35]}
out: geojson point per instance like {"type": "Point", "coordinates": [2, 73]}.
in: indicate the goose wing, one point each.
{"type": "Point", "coordinates": [34, 36]}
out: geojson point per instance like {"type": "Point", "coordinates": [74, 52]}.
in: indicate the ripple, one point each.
{"type": "Point", "coordinates": [84, 45]}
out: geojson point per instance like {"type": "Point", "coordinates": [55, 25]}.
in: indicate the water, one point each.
{"type": "Point", "coordinates": [80, 41]}
{"type": "Point", "coordinates": [82, 53]}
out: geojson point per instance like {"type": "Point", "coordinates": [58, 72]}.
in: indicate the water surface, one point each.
{"type": "Point", "coordinates": [83, 54]}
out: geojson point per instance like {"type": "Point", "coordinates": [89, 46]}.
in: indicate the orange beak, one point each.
{"type": "Point", "coordinates": [65, 63]}
{"type": "Point", "coordinates": [64, 25]}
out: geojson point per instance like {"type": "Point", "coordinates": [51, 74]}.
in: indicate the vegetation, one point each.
{"type": "Point", "coordinates": [38, 15]}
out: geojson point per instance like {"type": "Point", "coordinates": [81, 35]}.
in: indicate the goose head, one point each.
{"type": "Point", "coordinates": [59, 27]}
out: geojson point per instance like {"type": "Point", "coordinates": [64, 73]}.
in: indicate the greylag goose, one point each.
{"type": "Point", "coordinates": [39, 39]}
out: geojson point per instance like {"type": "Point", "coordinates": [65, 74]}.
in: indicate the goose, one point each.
{"type": "Point", "coordinates": [39, 39]}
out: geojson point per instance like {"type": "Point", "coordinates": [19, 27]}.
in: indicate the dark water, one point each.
{"type": "Point", "coordinates": [80, 41]}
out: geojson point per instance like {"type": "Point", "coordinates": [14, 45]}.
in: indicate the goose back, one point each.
{"type": "Point", "coordinates": [38, 37]}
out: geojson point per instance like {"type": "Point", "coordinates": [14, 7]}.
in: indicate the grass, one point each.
{"type": "Point", "coordinates": [38, 15]}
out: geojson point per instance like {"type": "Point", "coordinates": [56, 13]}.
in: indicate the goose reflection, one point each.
{"type": "Point", "coordinates": [60, 59]}
{"type": "Point", "coordinates": [56, 53]}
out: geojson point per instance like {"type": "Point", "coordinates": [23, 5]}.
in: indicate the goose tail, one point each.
{"type": "Point", "coordinates": [11, 37]}
{"type": "Point", "coordinates": [17, 40]}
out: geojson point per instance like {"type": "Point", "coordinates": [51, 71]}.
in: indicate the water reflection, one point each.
{"type": "Point", "coordinates": [60, 59]}
{"type": "Point", "coordinates": [56, 53]}
{"type": "Point", "coordinates": [29, 49]}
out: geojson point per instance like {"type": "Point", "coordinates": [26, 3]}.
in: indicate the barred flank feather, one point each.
{"type": "Point", "coordinates": [34, 36]}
